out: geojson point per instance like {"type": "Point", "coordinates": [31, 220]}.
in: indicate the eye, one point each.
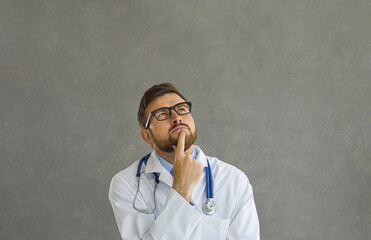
{"type": "Point", "coordinates": [182, 109]}
{"type": "Point", "coordinates": [162, 115]}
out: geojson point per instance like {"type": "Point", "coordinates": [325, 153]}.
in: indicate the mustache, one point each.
{"type": "Point", "coordinates": [181, 124]}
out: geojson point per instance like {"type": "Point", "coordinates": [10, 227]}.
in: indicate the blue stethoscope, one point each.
{"type": "Point", "coordinates": [209, 206]}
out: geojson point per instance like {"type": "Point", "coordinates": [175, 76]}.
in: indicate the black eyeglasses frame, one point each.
{"type": "Point", "coordinates": [168, 108]}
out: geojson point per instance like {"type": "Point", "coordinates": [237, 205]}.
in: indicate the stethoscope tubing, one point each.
{"type": "Point", "coordinates": [209, 182]}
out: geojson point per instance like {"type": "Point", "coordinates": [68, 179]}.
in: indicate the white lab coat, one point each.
{"type": "Point", "coordinates": [235, 216]}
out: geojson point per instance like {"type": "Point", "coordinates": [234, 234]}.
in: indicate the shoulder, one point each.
{"type": "Point", "coordinates": [231, 180]}
{"type": "Point", "coordinates": [219, 165]}
{"type": "Point", "coordinates": [128, 174]}
{"type": "Point", "coordinates": [124, 182]}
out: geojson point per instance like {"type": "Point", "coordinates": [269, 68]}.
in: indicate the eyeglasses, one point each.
{"type": "Point", "coordinates": [164, 113]}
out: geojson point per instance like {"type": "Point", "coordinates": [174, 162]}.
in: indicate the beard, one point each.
{"type": "Point", "coordinates": [166, 145]}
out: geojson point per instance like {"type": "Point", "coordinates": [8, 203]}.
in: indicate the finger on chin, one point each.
{"type": "Point", "coordinates": [181, 140]}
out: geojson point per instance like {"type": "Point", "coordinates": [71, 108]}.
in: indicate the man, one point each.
{"type": "Point", "coordinates": [166, 198]}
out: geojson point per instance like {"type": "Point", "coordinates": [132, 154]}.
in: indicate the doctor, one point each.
{"type": "Point", "coordinates": [177, 192]}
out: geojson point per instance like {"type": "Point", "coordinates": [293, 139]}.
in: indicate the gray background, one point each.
{"type": "Point", "coordinates": [280, 88]}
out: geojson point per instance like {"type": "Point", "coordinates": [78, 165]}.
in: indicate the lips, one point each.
{"type": "Point", "coordinates": [178, 128]}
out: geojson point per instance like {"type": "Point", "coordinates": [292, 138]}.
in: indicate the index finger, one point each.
{"type": "Point", "coordinates": [180, 145]}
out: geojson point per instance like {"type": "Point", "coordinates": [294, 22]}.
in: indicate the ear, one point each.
{"type": "Point", "coordinates": [146, 136]}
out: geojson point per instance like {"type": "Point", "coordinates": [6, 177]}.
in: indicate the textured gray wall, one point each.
{"type": "Point", "coordinates": [280, 88]}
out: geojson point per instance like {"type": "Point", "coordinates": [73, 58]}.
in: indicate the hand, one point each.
{"type": "Point", "coordinates": [186, 170]}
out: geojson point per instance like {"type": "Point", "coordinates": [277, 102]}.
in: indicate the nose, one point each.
{"type": "Point", "coordinates": [175, 118]}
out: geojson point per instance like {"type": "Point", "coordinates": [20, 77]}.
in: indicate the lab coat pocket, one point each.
{"type": "Point", "coordinates": [215, 228]}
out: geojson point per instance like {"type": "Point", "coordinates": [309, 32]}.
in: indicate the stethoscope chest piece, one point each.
{"type": "Point", "coordinates": [209, 207]}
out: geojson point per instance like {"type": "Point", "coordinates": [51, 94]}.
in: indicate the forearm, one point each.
{"type": "Point", "coordinates": [177, 220]}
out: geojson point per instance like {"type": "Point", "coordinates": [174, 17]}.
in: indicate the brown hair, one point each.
{"type": "Point", "coordinates": [152, 93]}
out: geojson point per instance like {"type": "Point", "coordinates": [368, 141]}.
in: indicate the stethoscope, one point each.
{"type": "Point", "coordinates": [208, 207]}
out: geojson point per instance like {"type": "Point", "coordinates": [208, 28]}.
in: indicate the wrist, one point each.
{"type": "Point", "coordinates": [186, 194]}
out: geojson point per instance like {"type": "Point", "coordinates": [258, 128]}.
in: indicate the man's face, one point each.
{"type": "Point", "coordinates": [165, 133]}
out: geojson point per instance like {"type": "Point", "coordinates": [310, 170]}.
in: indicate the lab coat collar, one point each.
{"type": "Point", "coordinates": [201, 157]}
{"type": "Point", "coordinates": [154, 165]}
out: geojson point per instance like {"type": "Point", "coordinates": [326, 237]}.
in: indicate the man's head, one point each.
{"type": "Point", "coordinates": [162, 132]}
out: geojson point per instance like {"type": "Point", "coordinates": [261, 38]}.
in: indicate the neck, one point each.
{"type": "Point", "coordinates": [170, 156]}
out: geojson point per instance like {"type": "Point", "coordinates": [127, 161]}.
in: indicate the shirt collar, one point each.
{"type": "Point", "coordinates": [168, 166]}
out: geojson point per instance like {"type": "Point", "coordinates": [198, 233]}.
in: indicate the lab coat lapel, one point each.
{"type": "Point", "coordinates": [154, 165]}
{"type": "Point", "coordinates": [166, 177]}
